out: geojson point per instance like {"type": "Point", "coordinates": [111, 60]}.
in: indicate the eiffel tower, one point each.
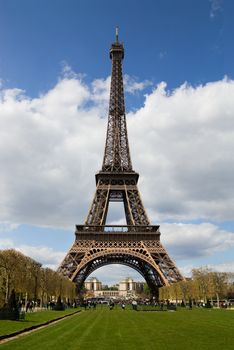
{"type": "Point", "coordinates": [136, 244]}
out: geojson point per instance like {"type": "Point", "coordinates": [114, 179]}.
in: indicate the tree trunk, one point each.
{"type": "Point", "coordinates": [217, 297]}
{"type": "Point", "coordinates": [7, 288]}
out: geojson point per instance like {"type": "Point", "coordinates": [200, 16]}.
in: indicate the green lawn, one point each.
{"type": "Point", "coordinates": [31, 319]}
{"type": "Point", "coordinates": [127, 330]}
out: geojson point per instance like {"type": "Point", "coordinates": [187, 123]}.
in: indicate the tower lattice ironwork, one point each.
{"type": "Point", "coordinates": [136, 244]}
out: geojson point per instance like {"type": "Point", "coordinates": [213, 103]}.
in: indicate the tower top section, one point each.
{"type": "Point", "coordinates": [117, 155]}
{"type": "Point", "coordinates": [117, 49]}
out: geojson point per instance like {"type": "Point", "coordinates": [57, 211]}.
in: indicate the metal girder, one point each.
{"type": "Point", "coordinates": [117, 154]}
{"type": "Point", "coordinates": [105, 248]}
{"type": "Point", "coordinates": [121, 191]}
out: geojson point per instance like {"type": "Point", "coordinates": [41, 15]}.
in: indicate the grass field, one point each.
{"type": "Point", "coordinates": [127, 330]}
{"type": "Point", "coordinates": [31, 319]}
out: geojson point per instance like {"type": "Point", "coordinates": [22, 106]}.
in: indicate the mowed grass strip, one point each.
{"type": "Point", "coordinates": [31, 319]}
{"type": "Point", "coordinates": [127, 329]}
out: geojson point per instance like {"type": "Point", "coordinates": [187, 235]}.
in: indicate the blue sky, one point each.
{"type": "Point", "coordinates": [169, 40]}
{"type": "Point", "coordinates": [54, 79]}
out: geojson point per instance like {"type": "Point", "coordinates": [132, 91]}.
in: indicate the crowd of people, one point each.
{"type": "Point", "coordinates": [140, 304]}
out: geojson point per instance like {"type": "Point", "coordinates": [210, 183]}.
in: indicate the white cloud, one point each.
{"type": "Point", "coordinates": [51, 147]}
{"type": "Point", "coordinates": [68, 72]}
{"type": "Point", "coordinates": [48, 257]}
{"type": "Point", "coordinates": [182, 147]}
{"type": "Point", "coordinates": [162, 55]}
{"type": "Point", "coordinates": [223, 267]}
{"type": "Point", "coordinates": [101, 92]}
{"type": "Point", "coordinates": [188, 241]}
{"type": "Point", "coordinates": [49, 150]}
{"type": "Point", "coordinates": [131, 85]}
{"type": "Point", "coordinates": [215, 7]}
{"type": "Point", "coordinates": [6, 243]}
{"type": "Point", "coordinates": [7, 226]}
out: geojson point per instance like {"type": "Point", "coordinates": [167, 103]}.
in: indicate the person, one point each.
{"type": "Point", "coordinates": [111, 305]}
{"type": "Point", "coordinates": [20, 305]}
{"type": "Point", "coordinates": [134, 305]}
{"type": "Point", "coordinates": [85, 304]}
{"type": "Point", "coordinates": [31, 305]}
{"type": "Point", "coordinates": [27, 306]}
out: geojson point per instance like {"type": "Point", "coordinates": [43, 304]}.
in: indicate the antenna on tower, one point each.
{"type": "Point", "coordinates": [117, 34]}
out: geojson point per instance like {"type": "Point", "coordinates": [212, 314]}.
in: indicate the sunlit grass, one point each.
{"type": "Point", "coordinates": [128, 330]}
{"type": "Point", "coordinates": [31, 319]}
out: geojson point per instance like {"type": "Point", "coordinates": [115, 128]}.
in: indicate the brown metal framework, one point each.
{"type": "Point", "coordinates": [136, 244]}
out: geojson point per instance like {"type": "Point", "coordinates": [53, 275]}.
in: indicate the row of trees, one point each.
{"type": "Point", "coordinates": [30, 280]}
{"type": "Point", "coordinates": [205, 285]}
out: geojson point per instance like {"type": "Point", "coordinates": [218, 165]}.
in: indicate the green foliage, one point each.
{"type": "Point", "coordinates": [204, 285]}
{"type": "Point", "coordinates": [59, 305]}
{"type": "Point", "coordinates": [12, 303]}
{"type": "Point", "coordinates": [29, 280]}
{"type": "Point", "coordinates": [10, 311]}
{"type": "Point", "coordinates": [146, 290]}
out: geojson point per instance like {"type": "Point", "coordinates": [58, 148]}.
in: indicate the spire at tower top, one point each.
{"type": "Point", "coordinates": [117, 34]}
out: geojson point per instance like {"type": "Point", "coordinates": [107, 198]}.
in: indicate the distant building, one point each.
{"type": "Point", "coordinates": [127, 288]}
{"type": "Point", "coordinates": [93, 284]}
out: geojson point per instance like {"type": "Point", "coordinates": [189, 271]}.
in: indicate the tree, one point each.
{"type": "Point", "coordinates": [30, 280]}
{"type": "Point", "coordinates": [219, 285]}
{"type": "Point", "coordinates": [59, 305]}
{"type": "Point", "coordinates": [204, 285]}
{"type": "Point", "coordinates": [164, 293]}
{"type": "Point", "coordinates": [230, 285]}
{"type": "Point", "coordinates": [201, 278]}
{"type": "Point", "coordinates": [175, 292]}
{"type": "Point", "coordinates": [10, 311]}
{"type": "Point", "coordinates": [146, 290]}
{"type": "Point", "coordinates": [10, 264]}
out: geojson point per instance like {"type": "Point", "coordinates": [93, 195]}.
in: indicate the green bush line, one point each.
{"type": "Point", "coordinates": [27, 329]}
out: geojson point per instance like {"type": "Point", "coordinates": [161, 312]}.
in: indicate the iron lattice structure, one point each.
{"type": "Point", "coordinates": [136, 244]}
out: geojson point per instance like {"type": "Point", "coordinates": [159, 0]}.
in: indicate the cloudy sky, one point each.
{"type": "Point", "coordinates": [179, 88]}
